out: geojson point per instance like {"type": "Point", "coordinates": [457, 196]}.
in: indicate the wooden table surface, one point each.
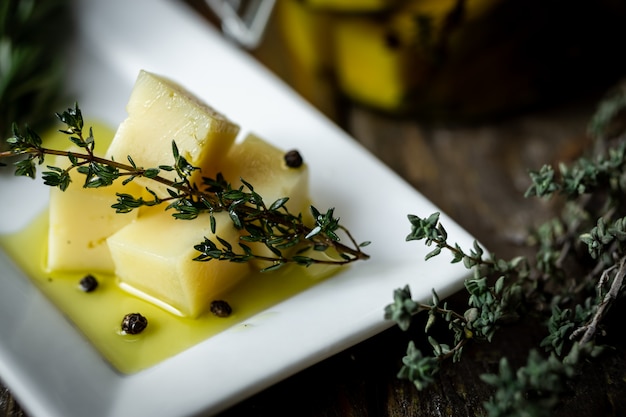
{"type": "Point", "coordinates": [477, 173]}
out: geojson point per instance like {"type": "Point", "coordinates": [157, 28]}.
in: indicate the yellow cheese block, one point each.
{"type": "Point", "coordinates": [307, 64]}
{"type": "Point", "coordinates": [153, 258]}
{"type": "Point", "coordinates": [307, 35]}
{"type": "Point", "coordinates": [161, 111]}
{"type": "Point", "coordinates": [370, 68]}
{"type": "Point", "coordinates": [262, 165]}
{"type": "Point", "coordinates": [80, 219]}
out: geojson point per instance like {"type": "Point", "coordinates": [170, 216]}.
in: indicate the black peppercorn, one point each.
{"type": "Point", "coordinates": [134, 323]}
{"type": "Point", "coordinates": [221, 308]}
{"type": "Point", "coordinates": [293, 159]}
{"type": "Point", "coordinates": [88, 283]}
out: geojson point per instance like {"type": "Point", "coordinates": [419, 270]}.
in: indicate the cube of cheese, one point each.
{"type": "Point", "coordinates": [153, 258]}
{"type": "Point", "coordinates": [368, 69]}
{"type": "Point", "coordinates": [80, 220]}
{"type": "Point", "coordinates": [263, 166]}
{"type": "Point", "coordinates": [161, 111]}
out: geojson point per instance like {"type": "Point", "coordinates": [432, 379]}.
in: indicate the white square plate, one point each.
{"type": "Point", "coordinates": [55, 372]}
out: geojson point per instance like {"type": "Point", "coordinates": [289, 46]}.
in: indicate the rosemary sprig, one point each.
{"type": "Point", "coordinates": [272, 225]}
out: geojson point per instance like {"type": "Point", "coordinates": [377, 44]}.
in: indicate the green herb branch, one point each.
{"type": "Point", "coordinates": [273, 226]}
{"type": "Point", "coordinates": [488, 305]}
{"type": "Point", "coordinates": [576, 275]}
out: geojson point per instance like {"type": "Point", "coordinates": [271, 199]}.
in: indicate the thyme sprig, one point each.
{"type": "Point", "coordinates": [575, 276]}
{"type": "Point", "coordinates": [273, 226]}
{"type": "Point", "coordinates": [488, 305]}
{"type": "Point", "coordinates": [491, 306]}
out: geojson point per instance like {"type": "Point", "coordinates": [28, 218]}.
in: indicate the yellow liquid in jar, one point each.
{"type": "Point", "coordinates": [98, 314]}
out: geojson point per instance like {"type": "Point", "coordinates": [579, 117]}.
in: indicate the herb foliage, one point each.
{"type": "Point", "coordinates": [575, 276]}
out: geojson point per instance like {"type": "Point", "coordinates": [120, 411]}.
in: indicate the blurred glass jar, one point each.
{"type": "Point", "coordinates": [453, 59]}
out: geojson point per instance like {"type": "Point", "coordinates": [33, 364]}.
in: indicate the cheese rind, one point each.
{"type": "Point", "coordinates": [160, 111]}
{"type": "Point", "coordinates": [154, 256]}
